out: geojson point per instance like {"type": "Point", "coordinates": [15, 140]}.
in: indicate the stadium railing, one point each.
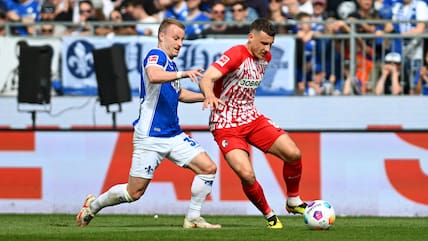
{"type": "Point", "coordinates": [351, 49]}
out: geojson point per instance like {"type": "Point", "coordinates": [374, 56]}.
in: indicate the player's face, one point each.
{"type": "Point", "coordinates": [172, 40]}
{"type": "Point", "coordinates": [259, 44]}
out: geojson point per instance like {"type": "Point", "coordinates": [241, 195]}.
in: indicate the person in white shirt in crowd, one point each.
{"type": "Point", "coordinates": [148, 24]}
{"type": "Point", "coordinates": [292, 7]}
{"type": "Point", "coordinates": [412, 16]}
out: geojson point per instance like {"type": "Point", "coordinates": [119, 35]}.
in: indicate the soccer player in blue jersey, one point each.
{"type": "Point", "coordinates": [157, 134]}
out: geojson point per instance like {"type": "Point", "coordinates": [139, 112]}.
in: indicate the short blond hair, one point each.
{"type": "Point", "coordinates": [168, 22]}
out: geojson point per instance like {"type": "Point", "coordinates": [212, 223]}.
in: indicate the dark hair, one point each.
{"type": "Point", "coordinates": [264, 25]}
{"type": "Point", "coordinates": [242, 3]}
{"type": "Point", "coordinates": [86, 1]}
{"type": "Point", "coordinates": [301, 15]}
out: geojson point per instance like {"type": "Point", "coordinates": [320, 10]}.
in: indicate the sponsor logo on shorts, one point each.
{"type": "Point", "coordinates": [249, 83]}
{"type": "Point", "coordinates": [224, 143]}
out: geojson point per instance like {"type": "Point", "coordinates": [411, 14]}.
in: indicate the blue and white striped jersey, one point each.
{"type": "Point", "coordinates": [158, 102]}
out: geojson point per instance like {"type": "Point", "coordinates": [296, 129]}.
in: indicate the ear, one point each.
{"type": "Point", "coordinates": [250, 36]}
{"type": "Point", "coordinates": [161, 36]}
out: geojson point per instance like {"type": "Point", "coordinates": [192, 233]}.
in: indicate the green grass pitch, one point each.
{"type": "Point", "coordinates": [35, 227]}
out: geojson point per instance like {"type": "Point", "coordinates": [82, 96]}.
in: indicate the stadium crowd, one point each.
{"type": "Point", "coordinates": [325, 66]}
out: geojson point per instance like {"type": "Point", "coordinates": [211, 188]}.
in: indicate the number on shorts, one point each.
{"type": "Point", "coordinates": [190, 140]}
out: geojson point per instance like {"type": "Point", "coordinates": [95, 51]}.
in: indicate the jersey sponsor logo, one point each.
{"type": "Point", "coordinates": [153, 59]}
{"type": "Point", "coordinates": [249, 83]}
{"type": "Point", "coordinates": [223, 60]}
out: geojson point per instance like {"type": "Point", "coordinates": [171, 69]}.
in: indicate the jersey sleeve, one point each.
{"type": "Point", "coordinates": [230, 60]}
{"type": "Point", "coordinates": [155, 57]}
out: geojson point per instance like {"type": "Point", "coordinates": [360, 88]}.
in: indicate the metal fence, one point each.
{"type": "Point", "coordinates": [349, 63]}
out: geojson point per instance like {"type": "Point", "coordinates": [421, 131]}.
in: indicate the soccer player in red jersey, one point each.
{"type": "Point", "coordinates": [229, 86]}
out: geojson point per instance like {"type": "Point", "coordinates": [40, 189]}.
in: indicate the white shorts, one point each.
{"type": "Point", "coordinates": [150, 151]}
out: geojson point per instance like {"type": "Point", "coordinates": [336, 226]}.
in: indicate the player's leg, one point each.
{"type": "Point", "coordinates": [189, 154]}
{"type": "Point", "coordinates": [240, 163]}
{"type": "Point", "coordinates": [270, 138]}
{"type": "Point", "coordinates": [236, 152]}
{"type": "Point", "coordinates": [285, 148]}
{"type": "Point", "coordinates": [145, 160]}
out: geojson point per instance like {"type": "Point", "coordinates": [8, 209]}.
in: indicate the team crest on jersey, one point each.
{"type": "Point", "coordinates": [223, 60]}
{"type": "Point", "coordinates": [153, 59]}
{"type": "Point", "coordinates": [176, 84]}
{"type": "Point", "coordinates": [224, 143]}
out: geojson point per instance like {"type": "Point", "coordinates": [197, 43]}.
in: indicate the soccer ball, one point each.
{"type": "Point", "coordinates": [319, 214]}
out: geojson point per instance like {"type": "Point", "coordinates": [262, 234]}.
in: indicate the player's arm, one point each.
{"type": "Point", "coordinates": [158, 75]}
{"type": "Point", "coordinates": [188, 96]}
{"type": "Point", "coordinates": [206, 86]}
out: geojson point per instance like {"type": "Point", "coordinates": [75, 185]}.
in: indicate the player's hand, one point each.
{"type": "Point", "coordinates": [423, 71]}
{"type": "Point", "coordinates": [195, 74]}
{"type": "Point", "coordinates": [212, 102]}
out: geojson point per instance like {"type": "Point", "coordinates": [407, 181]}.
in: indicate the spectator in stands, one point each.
{"type": "Point", "coordinates": [407, 12]}
{"type": "Point", "coordinates": [156, 8]}
{"type": "Point", "coordinates": [392, 82]}
{"type": "Point", "coordinates": [24, 11]}
{"type": "Point", "coordinates": [47, 11]}
{"type": "Point", "coordinates": [217, 14]}
{"type": "Point", "coordinates": [275, 14]}
{"type": "Point", "coordinates": [177, 10]}
{"type": "Point", "coordinates": [194, 31]}
{"type": "Point", "coordinates": [292, 7]}
{"type": "Point", "coordinates": [369, 49]}
{"type": "Point", "coordinates": [319, 15]}
{"type": "Point", "coordinates": [48, 14]}
{"type": "Point", "coordinates": [251, 13]}
{"type": "Point", "coordinates": [331, 49]}
{"type": "Point", "coordinates": [116, 17]}
{"type": "Point", "coordinates": [240, 24]}
{"type": "Point", "coordinates": [421, 78]}
{"type": "Point", "coordinates": [148, 24]}
{"type": "Point", "coordinates": [109, 5]}
{"type": "Point", "coordinates": [383, 8]}
{"type": "Point", "coordinates": [305, 45]}
{"type": "Point", "coordinates": [87, 13]}
{"type": "Point", "coordinates": [319, 84]}
{"type": "Point", "coordinates": [348, 85]}
{"type": "Point", "coordinates": [363, 53]}
{"type": "Point", "coordinates": [126, 9]}
{"type": "Point", "coordinates": [47, 29]}
{"type": "Point", "coordinates": [365, 12]}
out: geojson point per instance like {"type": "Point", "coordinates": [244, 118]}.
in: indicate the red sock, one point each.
{"type": "Point", "coordinates": [256, 195]}
{"type": "Point", "coordinates": [292, 172]}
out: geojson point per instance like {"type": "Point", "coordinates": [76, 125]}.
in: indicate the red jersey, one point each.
{"type": "Point", "coordinates": [242, 74]}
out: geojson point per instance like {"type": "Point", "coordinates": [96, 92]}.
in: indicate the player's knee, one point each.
{"type": "Point", "coordinates": [247, 178]}
{"type": "Point", "coordinates": [295, 155]}
{"type": "Point", "coordinates": [211, 169]}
